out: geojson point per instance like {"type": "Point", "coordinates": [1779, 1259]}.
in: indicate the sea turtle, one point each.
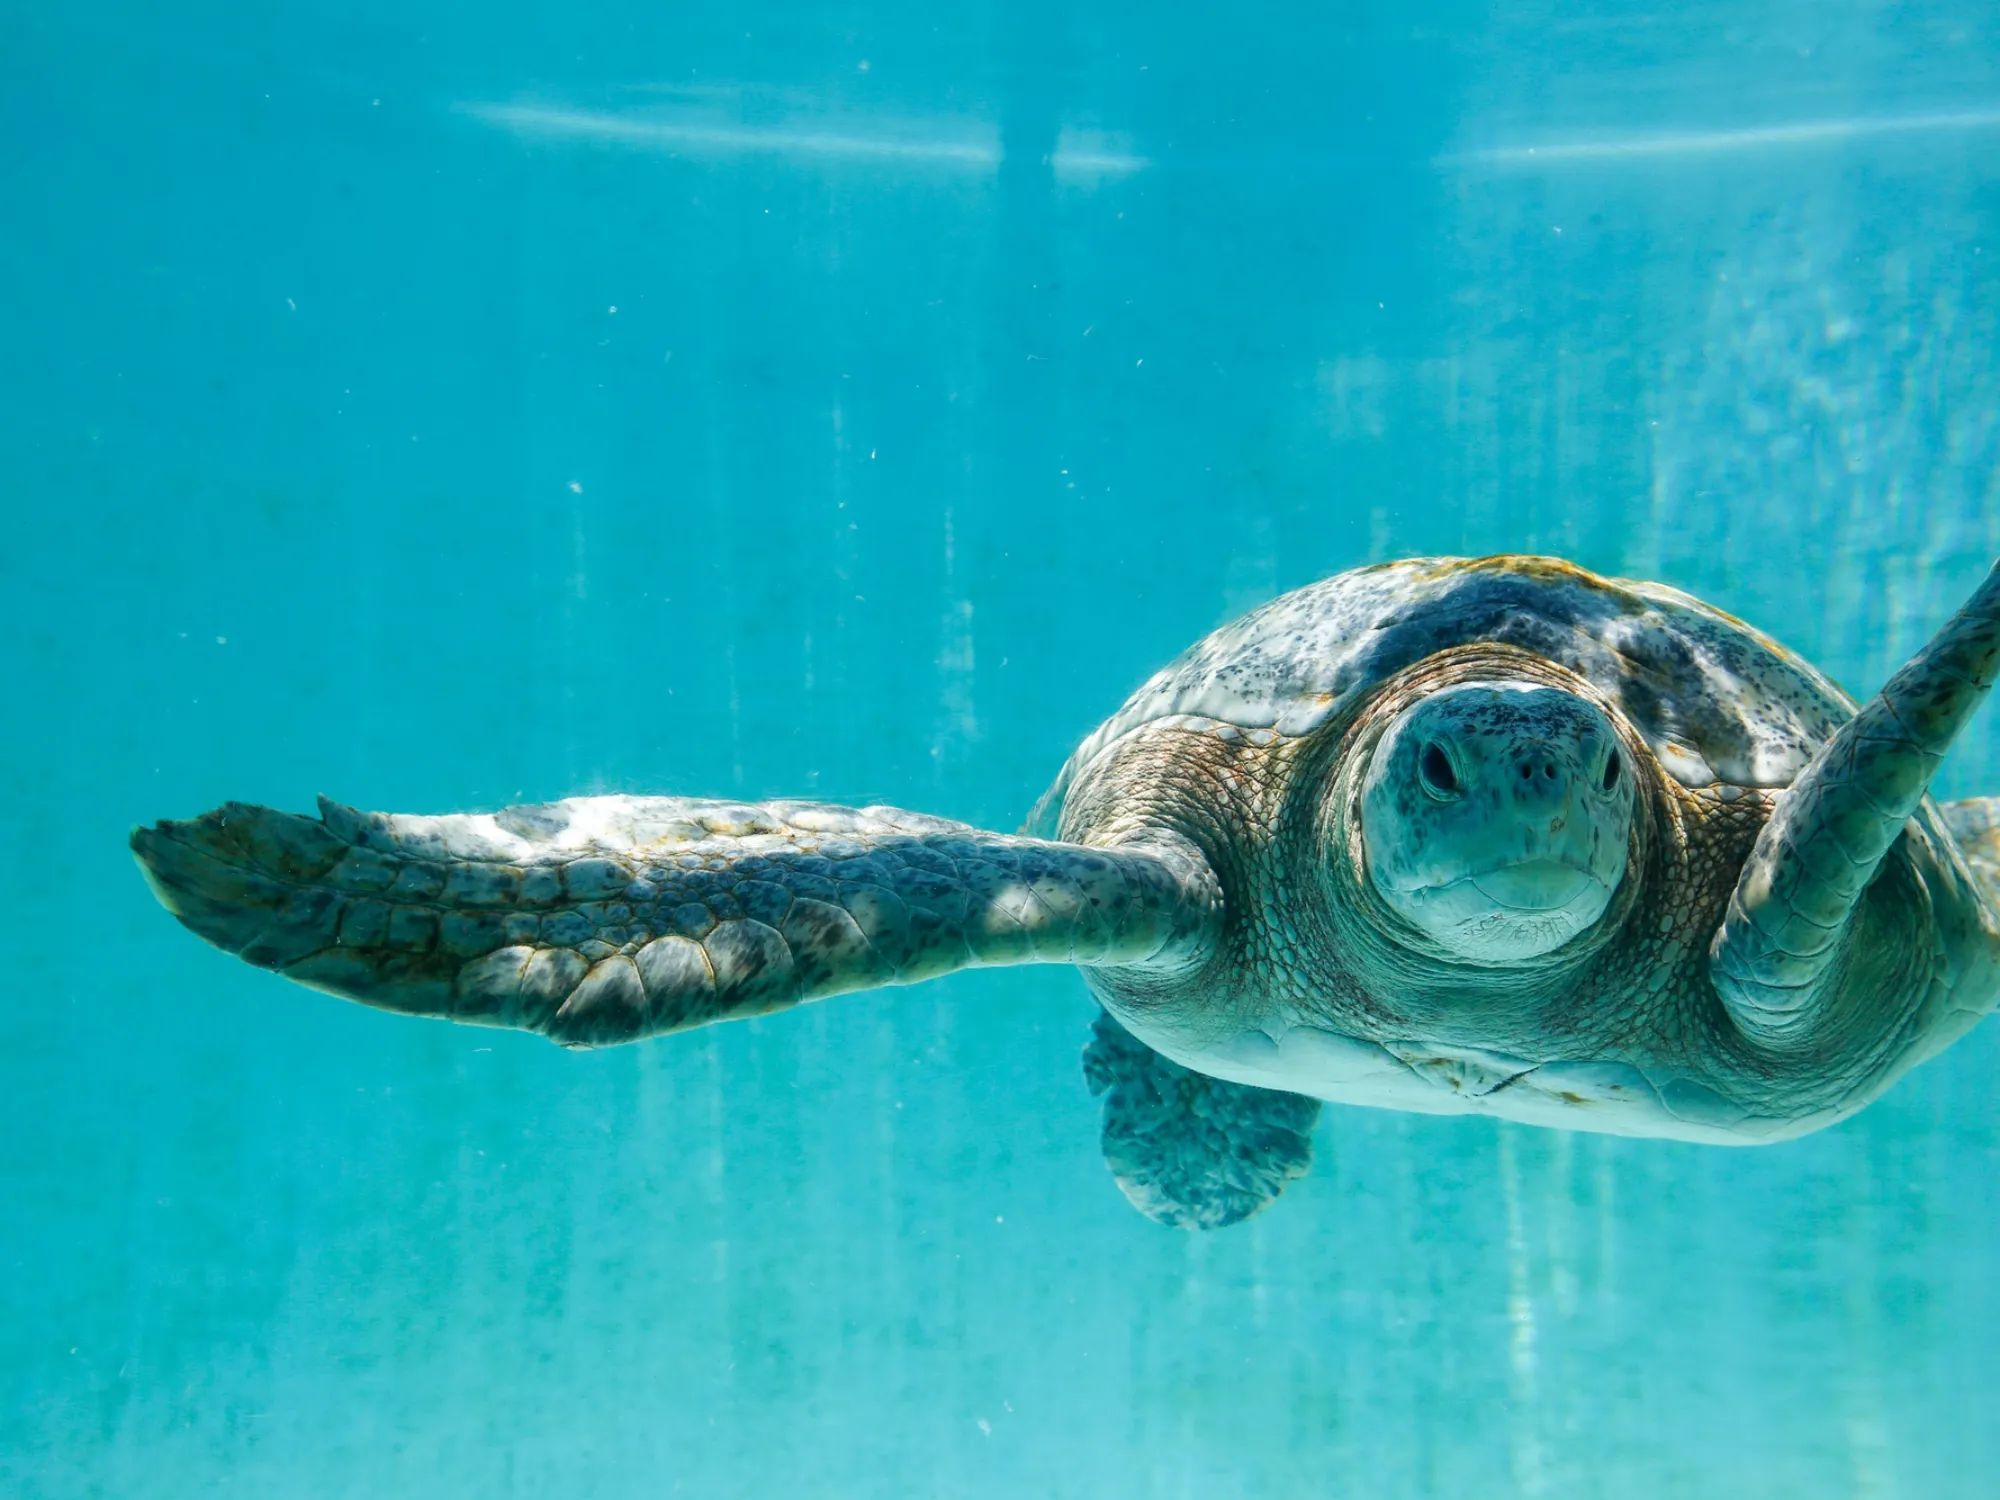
{"type": "Point", "coordinates": [1494, 836]}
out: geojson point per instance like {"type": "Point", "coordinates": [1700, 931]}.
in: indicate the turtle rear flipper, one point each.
{"type": "Point", "coordinates": [1190, 1151]}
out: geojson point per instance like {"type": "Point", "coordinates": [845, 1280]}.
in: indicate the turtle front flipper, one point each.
{"type": "Point", "coordinates": [1190, 1151]}
{"type": "Point", "coordinates": [606, 919]}
{"type": "Point", "coordinates": [1788, 917]}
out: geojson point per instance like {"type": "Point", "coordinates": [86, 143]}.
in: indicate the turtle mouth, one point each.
{"type": "Point", "coordinates": [1512, 911]}
{"type": "Point", "coordinates": [1535, 885]}
{"type": "Point", "coordinates": [1526, 886]}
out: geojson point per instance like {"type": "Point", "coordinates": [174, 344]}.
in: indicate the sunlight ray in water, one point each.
{"type": "Point", "coordinates": [1610, 146]}
{"type": "Point", "coordinates": [974, 147]}
{"type": "Point", "coordinates": [1521, 1353]}
{"type": "Point", "coordinates": [1081, 156]}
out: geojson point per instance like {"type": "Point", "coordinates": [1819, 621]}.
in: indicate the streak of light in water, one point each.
{"type": "Point", "coordinates": [1592, 147]}
{"type": "Point", "coordinates": [1080, 155]}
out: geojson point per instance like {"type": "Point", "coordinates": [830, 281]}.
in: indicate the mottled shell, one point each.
{"type": "Point", "coordinates": [1716, 700]}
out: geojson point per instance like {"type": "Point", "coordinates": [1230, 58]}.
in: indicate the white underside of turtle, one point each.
{"type": "Point", "coordinates": [1604, 1097]}
{"type": "Point", "coordinates": [1488, 836]}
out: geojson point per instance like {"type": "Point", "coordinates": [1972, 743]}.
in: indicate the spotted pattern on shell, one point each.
{"type": "Point", "coordinates": [1717, 700]}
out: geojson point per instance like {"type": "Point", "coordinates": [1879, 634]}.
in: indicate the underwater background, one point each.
{"type": "Point", "coordinates": [441, 406]}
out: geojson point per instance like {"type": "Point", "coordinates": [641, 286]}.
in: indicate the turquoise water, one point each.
{"type": "Point", "coordinates": [441, 406]}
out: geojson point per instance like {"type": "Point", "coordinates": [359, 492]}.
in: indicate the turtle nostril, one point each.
{"type": "Point", "coordinates": [1435, 768]}
{"type": "Point", "coordinates": [1611, 770]}
{"type": "Point", "coordinates": [1549, 769]}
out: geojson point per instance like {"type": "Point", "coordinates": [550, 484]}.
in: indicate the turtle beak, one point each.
{"type": "Point", "coordinates": [1535, 885]}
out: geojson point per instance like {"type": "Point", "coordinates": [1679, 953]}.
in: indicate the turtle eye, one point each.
{"type": "Point", "coordinates": [1611, 770]}
{"type": "Point", "coordinates": [1434, 768]}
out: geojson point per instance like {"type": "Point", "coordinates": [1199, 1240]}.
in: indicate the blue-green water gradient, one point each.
{"type": "Point", "coordinates": [444, 405]}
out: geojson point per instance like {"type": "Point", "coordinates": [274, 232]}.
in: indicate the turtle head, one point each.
{"type": "Point", "coordinates": [1496, 817]}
